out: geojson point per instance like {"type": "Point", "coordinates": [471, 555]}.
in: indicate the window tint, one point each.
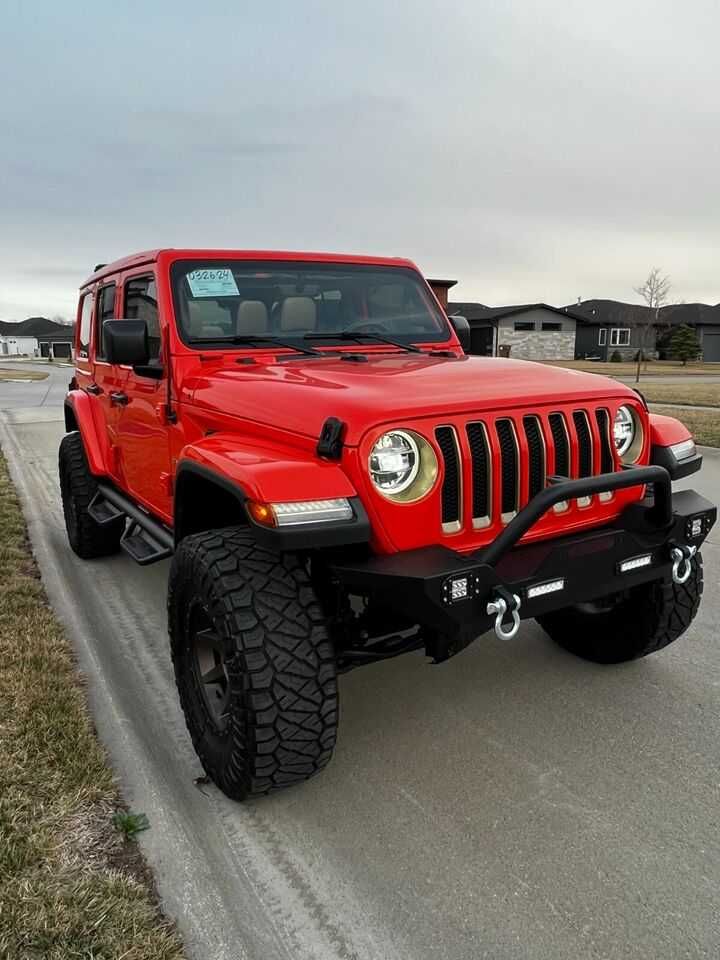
{"type": "Point", "coordinates": [105, 311]}
{"type": "Point", "coordinates": [551, 325]}
{"type": "Point", "coordinates": [141, 304]}
{"type": "Point", "coordinates": [84, 326]}
{"type": "Point", "coordinates": [524, 325]}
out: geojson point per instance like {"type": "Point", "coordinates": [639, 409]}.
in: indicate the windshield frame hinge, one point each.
{"type": "Point", "coordinates": [332, 437]}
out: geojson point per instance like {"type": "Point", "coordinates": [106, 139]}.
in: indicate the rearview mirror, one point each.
{"type": "Point", "coordinates": [126, 342]}
{"type": "Point", "coordinates": [462, 331]}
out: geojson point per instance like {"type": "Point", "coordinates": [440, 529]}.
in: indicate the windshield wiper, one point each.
{"type": "Point", "coordinates": [358, 337]}
{"type": "Point", "coordinates": [248, 339]}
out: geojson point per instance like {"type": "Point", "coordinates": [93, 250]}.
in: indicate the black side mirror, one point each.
{"type": "Point", "coordinates": [126, 342]}
{"type": "Point", "coordinates": [462, 330]}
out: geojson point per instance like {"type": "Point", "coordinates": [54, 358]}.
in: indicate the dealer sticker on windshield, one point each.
{"type": "Point", "coordinates": [212, 283]}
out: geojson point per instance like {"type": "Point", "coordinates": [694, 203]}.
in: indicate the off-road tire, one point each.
{"type": "Point", "coordinates": [649, 618]}
{"type": "Point", "coordinates": [78, 487]}
{"type": "Point", "coordinates": [280, 707]}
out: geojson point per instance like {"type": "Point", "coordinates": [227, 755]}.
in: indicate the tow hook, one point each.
{"type": "Point", "coordinates": [682, 556]}
{"type": "Point", "coordinates": [503, 603]}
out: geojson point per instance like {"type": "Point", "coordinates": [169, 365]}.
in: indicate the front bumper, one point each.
{"type": "Point", "coordinates": [448, 593]}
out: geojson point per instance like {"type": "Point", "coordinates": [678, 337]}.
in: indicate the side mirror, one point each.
{"type": "Point", "coordinates": [462, 331]}
{"type": "Point", "coordinates": [126, 342]}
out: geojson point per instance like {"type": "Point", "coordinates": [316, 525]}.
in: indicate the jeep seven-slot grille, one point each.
{"type": "Point", "coordinates": [561, 444]}
{"type": "Point", "coordinates": [547, 442]}
{"type": "Point", "coordinates": [584, 437]}
{"type": "Point", "coordinates": [607, 461]}
{"type": "Point", "coordinates": [447, 442]}
{"type": "Point", "coordinates": [480, 461]}
{"type": "Point", "coordinates": [508, 466]}
{"type": "Point", "coordinates": [536, 453]}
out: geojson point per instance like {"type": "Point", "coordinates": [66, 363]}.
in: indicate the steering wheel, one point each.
{"type": "Point", "coordinates": [366, 326]}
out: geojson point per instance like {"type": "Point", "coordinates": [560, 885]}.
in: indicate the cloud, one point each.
{"type": "Point", "coordinates": [534, 151]}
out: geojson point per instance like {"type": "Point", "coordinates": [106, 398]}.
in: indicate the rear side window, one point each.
{"type": "Point", "coordinates": [84, 325]}
{"type": "Point", "coordinates": [105, 311]}
{"type": "Point", "coordinates": [141, 304]}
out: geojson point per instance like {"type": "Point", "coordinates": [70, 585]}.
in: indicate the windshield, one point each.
{"type": "Point", "coordinates": [240, 298]}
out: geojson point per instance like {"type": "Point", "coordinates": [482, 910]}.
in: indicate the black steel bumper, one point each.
{"type": "Point", "coordinates": [426, 585]}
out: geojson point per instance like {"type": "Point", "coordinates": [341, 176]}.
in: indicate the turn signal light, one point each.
{"type": "Point", "coordinates": [261, 513]}
{"type": "Point", "coordinates": [299, 512]}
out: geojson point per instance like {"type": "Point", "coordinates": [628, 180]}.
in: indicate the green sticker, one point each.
{"type": "Point", "coordinates": [212, 283]}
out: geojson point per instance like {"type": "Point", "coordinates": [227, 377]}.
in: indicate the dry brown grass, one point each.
{"type": "Point", "coordinates": [706, 394]}
{"type": "Point", "coordinates": [703, 424]}
{"type": "Point", "coordinates": [664, 368]}
{"type": "Point", "coordinates": [22, 375]}
{"type": "Point", "coordinates": [70, 886]}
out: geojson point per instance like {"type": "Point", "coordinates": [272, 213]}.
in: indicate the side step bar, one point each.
{"type": "Point", "coordinates": [145, 540]}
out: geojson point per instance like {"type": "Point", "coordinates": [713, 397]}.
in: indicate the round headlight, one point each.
{"type": "Point", "coordinates": [623, 430]}
{"type": "Point", "coordinates": [402, 465]}
{"type": "Point", "coordinates": [627, 434]}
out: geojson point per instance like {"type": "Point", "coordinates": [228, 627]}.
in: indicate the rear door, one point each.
{"type": "Point", "coordinates": [143, 433]}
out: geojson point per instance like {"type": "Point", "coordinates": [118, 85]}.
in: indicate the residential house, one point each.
{"type": "Point", "coordinates": [54, 340]}
{"type": "Point", "coordinates": [611, 326]}
{"type": "Point", "coordinates": [14, 346]}
{"type": "Point", "coordinates": [527, 331]}
{"type": "Point", "coordinates": [441, 288]}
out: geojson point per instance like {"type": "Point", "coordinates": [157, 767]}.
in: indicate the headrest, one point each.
{"type": "Point", "coordinates": [298, 313]}
{"type": "Point", "coordinates": [252, 317]}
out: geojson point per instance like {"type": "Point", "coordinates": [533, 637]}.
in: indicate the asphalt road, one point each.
{"type": "Point", "coordinates": [512, 803]}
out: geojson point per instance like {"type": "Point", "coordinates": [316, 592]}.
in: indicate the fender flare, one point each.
{"type": "Point", "coordinates": [664, 433]}
{"type": "Point", "coordinates": [79, 416]}
{"type": "Point", "coordinates": [269, 473]}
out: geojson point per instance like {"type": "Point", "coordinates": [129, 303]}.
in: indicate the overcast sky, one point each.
{"type": "Point", "coordinates": [533, 151]}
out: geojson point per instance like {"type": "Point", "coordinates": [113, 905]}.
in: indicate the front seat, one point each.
{"type": "Point", "coordinates": [298, 315]}
{"type": "Point", "coordinates": [252, 317]}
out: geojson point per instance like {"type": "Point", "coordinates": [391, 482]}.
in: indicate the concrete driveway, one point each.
{"type": "Point", "coordinates": [512, 803]}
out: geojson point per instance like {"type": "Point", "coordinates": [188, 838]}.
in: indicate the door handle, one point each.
{"type": "Point", "coordinates": [94, 389]}
{"type": "Point", "coordinates": [120, 399]}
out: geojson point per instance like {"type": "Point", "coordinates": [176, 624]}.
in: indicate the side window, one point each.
{"type": "Point", "coordinates": [602, 337]}
{"type": "Point", "coordinates": [84, 325]}
{"type": "Point", "coordinates": [105, 311]}
{"type": "Point", "coordinates": [141, 304]}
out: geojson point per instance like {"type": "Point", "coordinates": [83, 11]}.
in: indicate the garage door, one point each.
{"type": "Point", "coordinates": [711, 346]}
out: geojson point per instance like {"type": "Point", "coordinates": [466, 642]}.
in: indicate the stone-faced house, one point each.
{"type": "Point", "coordinates": [528, 331]}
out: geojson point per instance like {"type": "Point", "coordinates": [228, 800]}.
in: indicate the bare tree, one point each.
{"type": "Point", "coordinates": [655, 292]}
{"type": "Point", "coordinates": [58, 318]}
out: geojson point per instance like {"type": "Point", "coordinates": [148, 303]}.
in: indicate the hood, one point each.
{"type": "Point", "coordinates": [299, 395]}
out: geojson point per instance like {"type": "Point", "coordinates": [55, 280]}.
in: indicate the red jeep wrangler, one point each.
{"type": "Point", "coordinates": [337, 483]}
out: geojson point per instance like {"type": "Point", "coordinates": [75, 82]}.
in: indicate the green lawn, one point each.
{"type": "Point", "coordinates": [71, 887]}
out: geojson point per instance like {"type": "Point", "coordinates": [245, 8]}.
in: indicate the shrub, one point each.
{"type": "Point", "coordinates": [684, 344]}
{"type": "Point", "coordinates": [616, 357]}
